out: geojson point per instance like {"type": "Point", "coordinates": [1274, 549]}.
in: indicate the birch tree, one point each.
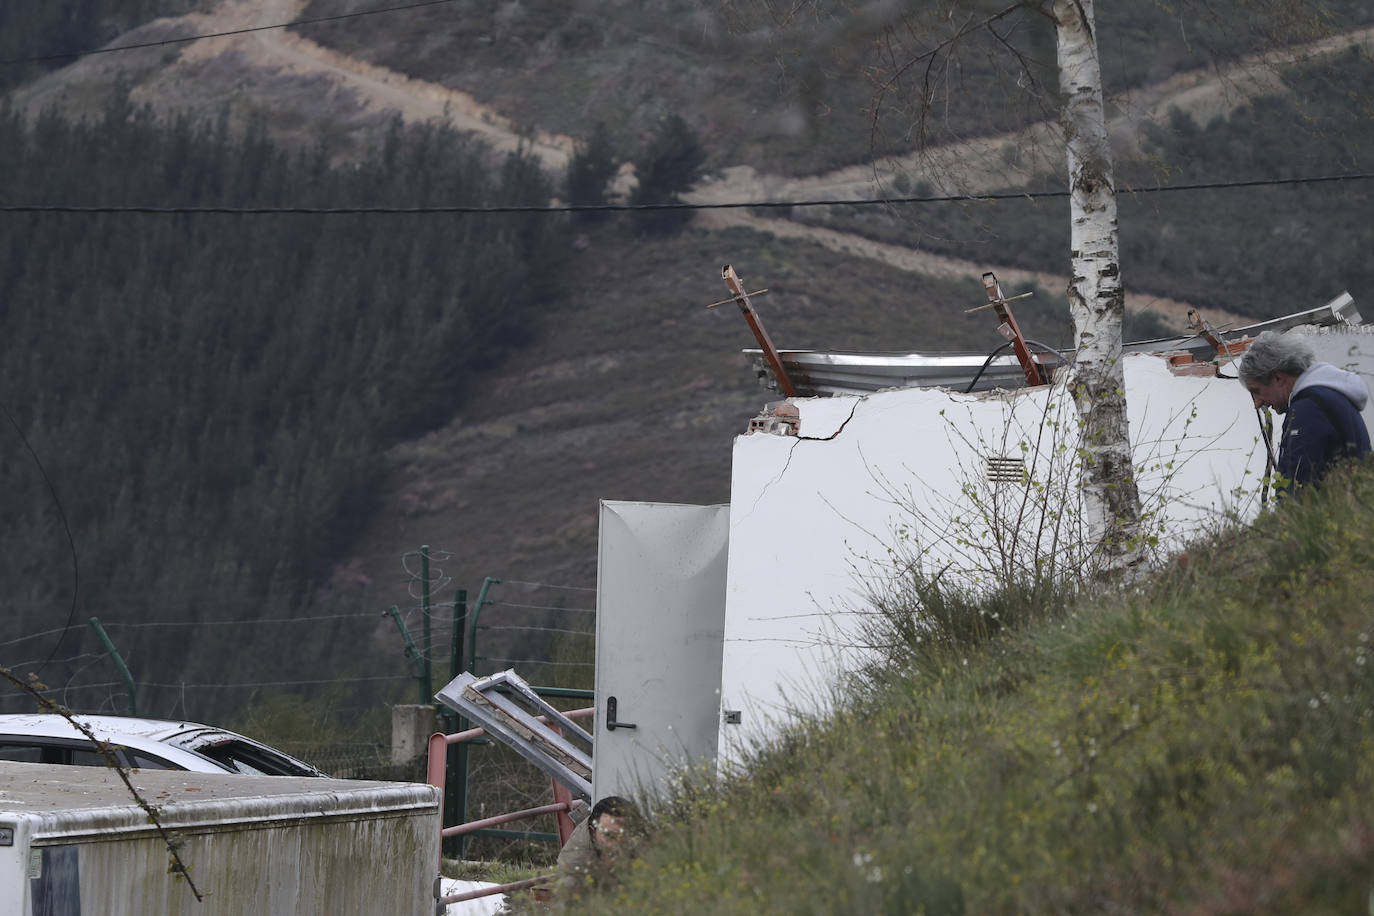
{"type": "Point", "coordinates": [1096, 300]}
{"type": "Point", "coordinates": [920, 55]}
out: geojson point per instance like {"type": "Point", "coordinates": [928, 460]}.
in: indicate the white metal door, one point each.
{"type": "Point", "coordinates": [660, 621]}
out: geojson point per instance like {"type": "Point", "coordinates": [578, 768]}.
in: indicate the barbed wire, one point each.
{"type": "Point", "coordinates": [297, 683]}
{"type": "Point", "coordinates": [575, 588]}
{"type": "Point", "coordinates": [238, 621]}
{"type": "Point", "coordinates": [507, 626]}
{"type": "Point", "coordinates": [535, 661]}
{"type": "Point", "coordinates": [544, 607]}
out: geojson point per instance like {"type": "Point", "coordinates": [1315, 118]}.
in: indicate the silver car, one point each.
{"type": "Point", "coordinates": [150, 744]}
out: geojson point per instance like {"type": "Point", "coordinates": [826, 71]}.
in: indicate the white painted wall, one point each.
{"type": "Point", "coordinates": [812, 518]}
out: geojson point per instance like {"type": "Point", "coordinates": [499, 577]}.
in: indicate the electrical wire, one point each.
{"type": "Point", "coordinates": [993, 355]}
{"type": "Point", "coordinates": [70, 55]}
{"type": "Point", "coordinates": [595, 208]}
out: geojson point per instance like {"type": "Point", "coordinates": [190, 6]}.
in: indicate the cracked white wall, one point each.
{"type": "Point", "coordinates": [812, 518]}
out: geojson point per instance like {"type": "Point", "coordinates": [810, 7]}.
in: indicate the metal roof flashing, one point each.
{"type": "Point", "coordinates": [76, 802]}
{"type": "Point", "coordinates": [818, 373]}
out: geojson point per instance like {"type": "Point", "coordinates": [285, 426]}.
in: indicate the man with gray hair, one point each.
{"type": "Point", "coordinates": [1321, 404]}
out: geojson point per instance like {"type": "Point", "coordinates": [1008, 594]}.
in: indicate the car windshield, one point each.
{"type": "Point", "coordinates": [244, 757]}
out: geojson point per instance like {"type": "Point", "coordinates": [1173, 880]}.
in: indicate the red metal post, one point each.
{"type": "Point", "coordinates": [770, 352]}
{"type": "Point", "coordinates": [561, 793]}
{"type": "Point", "coordinates": [436, 767]}
{"type": "Point", "coordinates": [438, 757]}
{"type": "Point", "coordinates": [1035, 373]}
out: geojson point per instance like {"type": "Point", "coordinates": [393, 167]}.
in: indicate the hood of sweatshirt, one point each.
{"type": "Point", "coordinates": [1347, 383]}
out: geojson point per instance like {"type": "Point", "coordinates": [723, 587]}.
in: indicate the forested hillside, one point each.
{"type": "Point", "coordinates": [1264, 251]}
{"type": "Point", "coordinates": [800, 87]}
{"type": "Point", "coordinates": [211, 395]}
{"type": "Point", "coordinates": [254, 417]}
{"type": "Point", "coordinates": [49, 28]}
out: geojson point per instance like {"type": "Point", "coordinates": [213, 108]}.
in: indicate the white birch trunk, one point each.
{"type": "Point", "coordinates": [1110, 499]}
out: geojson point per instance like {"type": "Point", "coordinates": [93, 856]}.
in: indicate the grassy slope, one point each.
{"type": "Point", "coordinates": [1202, 744]}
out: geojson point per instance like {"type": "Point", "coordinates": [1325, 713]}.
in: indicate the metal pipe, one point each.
{"type": "Point", "coordinates": [770, 352]}
{"type": "Point", "coordinates": [413, 653]}
{"type": "Point", "coordinates": [534, 836]}
{"type": "Point", "coordinates": [435, 771]}
{"type": "Point", "coordinates": [118, 663]}
{"type": "Point", "coordinates": [460, 622]}
{"type": "Point", "coordinates": [498, 889]}
{"type": "Point", "coordinates": [436, 766]}
{"type": "Point", "coordinates": [456, 801]}
{"type": "Point", "coordinates": [426, 665]}
{"type": "Point", "coordinates": [562, 793]}
{"type": "Point", "coordinates": [477, 606]}
{"type": "Point", "coordinates": [572, 693]}
{"type": "Point", "coordinates": [505, 818]}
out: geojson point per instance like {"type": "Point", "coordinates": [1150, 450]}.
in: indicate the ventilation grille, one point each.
{"type": "Point", "coordinates": [1006, 470]}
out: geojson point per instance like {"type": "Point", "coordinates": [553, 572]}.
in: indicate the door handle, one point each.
{"type": "Point", "coordinates": [611, 723]}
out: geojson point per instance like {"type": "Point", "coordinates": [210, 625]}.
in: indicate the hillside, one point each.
{"type": "Point", "coordinates": [625, 385]}
{"type": "Point", "coordinates": [1203, 743]}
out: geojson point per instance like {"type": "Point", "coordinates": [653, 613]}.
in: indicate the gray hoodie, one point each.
{"type": "Point", "coordinates": [1320, 429]}
{"type": "Point", "coordinates": [1347, 383]}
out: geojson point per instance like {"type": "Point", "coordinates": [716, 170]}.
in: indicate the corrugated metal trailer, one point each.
{"type": "Point", "coordinates": [74, 842]}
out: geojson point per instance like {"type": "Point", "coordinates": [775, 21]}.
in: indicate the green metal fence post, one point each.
{"type": "Point", "coordinates": [427, 665]}
{"type": "Point", "coordinates": [456, 798]}
{"type": "Point", "coordinates": [464, 749]}
{"type": "Point", "coordinates": [413, 653]}
{"type": "Point", "coordinates": [477, 606]}
{"type": "Point", "coordinates": [119, 665]}
{"type": "Point", "coordinates": [457, 637]}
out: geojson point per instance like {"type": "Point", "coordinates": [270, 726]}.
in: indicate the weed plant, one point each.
{"type": "Point", "coordinates": [1199, 742]}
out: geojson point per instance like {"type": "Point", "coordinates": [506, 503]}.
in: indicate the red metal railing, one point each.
{"type": "Point", "coordinates": [563, 803]}
{"type": "Point", "coordinates": [498, 889]}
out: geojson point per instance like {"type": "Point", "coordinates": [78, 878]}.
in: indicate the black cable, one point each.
{"type": "Point", "coordinates": [71, 541]}
{"type": "Point", "coordinates": [1266, 425]}
{"type": "Point", "coordinates": [601, 208]}
{"type": "Point", "coordinates": [68, 55]}
{"type": "Point", "coordinates": [993, 355]}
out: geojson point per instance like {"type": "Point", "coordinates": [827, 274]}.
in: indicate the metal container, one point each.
{"type": "Point", "coordinates": [73, 841]}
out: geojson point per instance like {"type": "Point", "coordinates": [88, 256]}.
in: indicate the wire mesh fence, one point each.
{"type": "Point", "coordinates": [544, 631]}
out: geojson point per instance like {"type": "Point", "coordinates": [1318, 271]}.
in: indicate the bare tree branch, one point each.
{"type": "Point", "coordinates": [177, 867]}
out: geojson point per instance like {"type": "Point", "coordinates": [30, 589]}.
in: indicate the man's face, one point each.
{"type": "Point", "coordinates": [609, 832]}
{"type": "Point", "coordinates": [1274, 393]}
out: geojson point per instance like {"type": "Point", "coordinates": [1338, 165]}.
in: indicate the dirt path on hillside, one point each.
{"type": "Point", "coordinates": [377, 88]}
{"type": "Point", "coordinates": [965, 167]}
{"type": "Point", "coordinates": [1013, 279]}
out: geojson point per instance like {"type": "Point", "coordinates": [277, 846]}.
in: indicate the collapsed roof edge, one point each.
{"type": "Point", "coordinates": [819, 373]}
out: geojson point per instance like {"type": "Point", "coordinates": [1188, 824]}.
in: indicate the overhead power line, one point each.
{"type": "Point", "coordinates": [70, 55]}
{"type": "Point", "coordinates": [731, 205]}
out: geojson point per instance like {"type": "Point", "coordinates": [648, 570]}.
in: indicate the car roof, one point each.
{"type": "Point", "coordinates": [55, 725]}
{"type": "Point", "coordinates": [177, 741]}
